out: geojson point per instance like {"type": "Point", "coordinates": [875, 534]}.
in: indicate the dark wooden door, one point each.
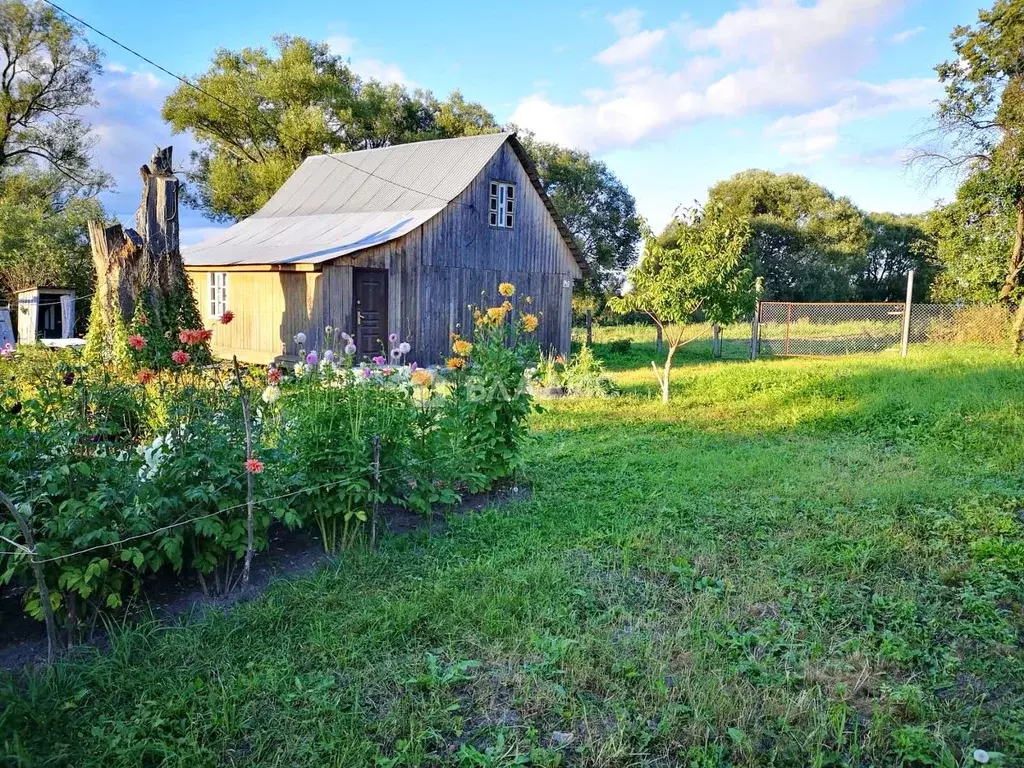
{"type": "Point", "coordinates": [370, 291]}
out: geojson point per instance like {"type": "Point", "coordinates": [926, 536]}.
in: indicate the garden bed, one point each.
{"type": "Point", "coordinates": [290, 553]}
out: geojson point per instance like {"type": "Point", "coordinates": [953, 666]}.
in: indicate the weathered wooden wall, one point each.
{"type": "Point", "coordinates": [464, 259]}
{"type": "Point", "coordinates": [435, 274]}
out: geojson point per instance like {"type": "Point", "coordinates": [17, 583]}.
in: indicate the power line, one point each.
{"type": "Point", "coordinates": [236, 109]}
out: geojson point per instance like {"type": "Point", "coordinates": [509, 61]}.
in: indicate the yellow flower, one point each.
{"type": "Point", "coordinates": [529, 299]}
{"type": "Point", "coordinates": [530, 323]}
{"type": "Point", "coordinates": [507, 305]}
{"type": "Point", "coordinates": [455, 362]}
{"type": "Point", "coordinates": [506, 289]}
{"type": "Point", "coordinates": [496, 315]}
{"type": "Point", "coordinates": [462, 347]}
{"type": "Point", "coordinates": [421, 377]}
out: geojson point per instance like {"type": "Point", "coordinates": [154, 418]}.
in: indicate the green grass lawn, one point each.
{"type": "Point", "coordinates": [797, 562]}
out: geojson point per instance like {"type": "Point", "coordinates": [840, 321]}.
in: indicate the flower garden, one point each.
{"type": "Point", "coordinates": [162, 461]}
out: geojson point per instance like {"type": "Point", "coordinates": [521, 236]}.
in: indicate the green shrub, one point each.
{"type": "Point", "coordinates": [621, 346]}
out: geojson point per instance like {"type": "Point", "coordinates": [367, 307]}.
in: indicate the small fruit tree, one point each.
{"type": "Point", "coordinates": [707, 270]}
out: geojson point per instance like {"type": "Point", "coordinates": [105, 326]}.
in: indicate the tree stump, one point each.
{"type": "Point", "coordinates": [141, 284]}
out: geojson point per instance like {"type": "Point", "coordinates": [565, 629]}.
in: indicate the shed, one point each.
{"type": "Point", "coordinates": [45, 313]}
{"type": "Point", "coordinates": [402, 239]}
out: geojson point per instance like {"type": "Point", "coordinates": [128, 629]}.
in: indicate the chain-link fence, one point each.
{"type": "Point", "coordinates": [795, 328]}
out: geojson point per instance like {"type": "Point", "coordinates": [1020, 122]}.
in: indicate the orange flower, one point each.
{"type": "Point", "coordinates": [145, 376]}
{"type": "Point", "coordinates": [462, 347]}
{"type": "Point", "coordinates": [507, 305]}
{"type": "Point", "coordinates": [530, 323]}
{"type": "Point", "coordinates": [455, 362]}
{"type": "Point", "coordinates": [421, 377]}
{"type": "Point", "coordinates": [506, 289]}
{"type": "Point", "coordinates": [253, 466]}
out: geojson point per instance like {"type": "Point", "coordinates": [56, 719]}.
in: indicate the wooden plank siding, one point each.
{"type": "Point", "coordinates": [435, 275]}
{"type": "Point", "coordinates": [464, 259]}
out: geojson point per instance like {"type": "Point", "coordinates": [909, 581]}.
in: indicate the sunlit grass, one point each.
{"type": "Point", "coordinates": [797, 562]}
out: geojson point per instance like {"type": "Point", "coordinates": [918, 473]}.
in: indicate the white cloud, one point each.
{"type": "Point", "coordinates": [367, 67]}
{"type": "Point", "coordinates": [341, 45]}
{"type": "Point", "coordinates": [375, 69]}
{"type": "Point", "coordinates": [906, 34]}
{"type": "Point", "coordinates": [626, 21]}
{"type": "Point", "coordinates": [807, 137]}
{"type": "Point", "coordinates": [633, 44]}
{"type": "Point", "coordinates": [127, 127]}
{"type": "Point", "coordinates": [774, 56]}
{"type": "Point", "coordinates": [631, 48]}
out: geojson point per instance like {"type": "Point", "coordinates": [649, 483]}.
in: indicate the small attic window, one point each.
{"type": "Point", "coordinates": [503, 204]}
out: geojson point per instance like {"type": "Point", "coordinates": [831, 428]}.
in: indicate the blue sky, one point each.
{"type": "Point", "coordinates": [673, 96]}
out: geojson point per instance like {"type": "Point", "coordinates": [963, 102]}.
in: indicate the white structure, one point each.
{"type": "Point", "coordinates": [6, 329]}
{"type": "Point", "coordinates": [45, 313]}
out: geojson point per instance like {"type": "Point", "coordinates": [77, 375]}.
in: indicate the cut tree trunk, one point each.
{"type": "Point", "coordinates": [716, 340]}
{"type": "Point", "coordinates": [1016, 264]}
{"type": "Point", "coordinates": [141, 265]}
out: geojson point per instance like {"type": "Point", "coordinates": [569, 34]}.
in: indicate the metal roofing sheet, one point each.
{"type": "Point", "coordinates": [334, 205]}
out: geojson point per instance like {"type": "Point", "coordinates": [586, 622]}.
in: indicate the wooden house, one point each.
{"type": "Point", "coordinates": [402, 239]}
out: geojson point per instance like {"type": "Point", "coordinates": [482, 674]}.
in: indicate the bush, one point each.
{"type": "Point", "coordinates": [584, 375]}
{"type": "Point", "coordinates": [621, 346]}
{"type": "Point", "coordinates": [139, 471]}
{"type": "Point", "coordinates": [983, 324]}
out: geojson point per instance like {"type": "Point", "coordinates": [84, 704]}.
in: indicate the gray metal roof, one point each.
{"type": "Point", "coordinates": [334, 205]}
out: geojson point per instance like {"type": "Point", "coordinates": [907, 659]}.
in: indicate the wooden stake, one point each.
{"type": "Point", "coordinates": [376, 490]}
{"type": "Point", "coordinates": [249, 524]}
{"type": "Point", "coordinates": [44, 591]}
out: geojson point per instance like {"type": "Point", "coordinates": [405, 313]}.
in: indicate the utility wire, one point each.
{"type": "Point", "coordinates": [178, 524]}
{"type": "Point", "coordinates": [234, 108]}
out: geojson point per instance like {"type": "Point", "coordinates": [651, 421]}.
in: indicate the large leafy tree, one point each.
{"type": "Point", "coordinates": [596, 206]}
{"type": "Point", "coordinates": [705, 269]}
{"type": "Point", "coordinates": [896, 245]}
{"type": "Point", "coordinates": [807, 244]}
{"type": "Point", "coordinates": [973, 235]}
{"type": "Point", "coordinates": [43, 236]}
{"type": "Point", "coordinates": [46, 72]}
{"type": "Point", "coordinates": [980, 120]}
{"type": "Point", "coordinates": [257, 115]}
{"type": "Point", "coordinates": [47, 180]}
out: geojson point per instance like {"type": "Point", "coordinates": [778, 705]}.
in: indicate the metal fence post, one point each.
{"type": "Point", "coordinates": [755, 328]}
{"type": "Point", "coordinates": [905, 343]}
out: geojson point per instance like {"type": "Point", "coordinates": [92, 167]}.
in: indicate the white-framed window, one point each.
{"type": "Point", "coordinates": [502, 210]}
{"type": "Point", "coordinates": [217, 287]}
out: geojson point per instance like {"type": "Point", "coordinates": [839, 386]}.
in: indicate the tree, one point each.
{"type": "Point", "coordinates": [258, 116]}
{"type": "Point", "coordinates": [46, 77]}
{"type": "Point", "coordinates": [43, 238]}
{"type": "Point", "coordinates": [705, 269]}
{"type": "Point", "coordinates": [972, 236]}
{"type": "Point", "coordinates": [980, 121]}
{"type": "Point", "coordinates": [896, 244]}
{"type": "Point", "coordinates": [596, 207]}
{"type": "Point", "coordinates": [807, 244]}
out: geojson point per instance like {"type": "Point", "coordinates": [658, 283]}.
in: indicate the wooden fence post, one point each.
{"type": "Point", "coordinates": [37, 567]}
{"type": "Point", "coordinates": [905, 341]}
{"type": "Point", "coordinates": [249, 492]}
{"type": "Point", "coordinates": [376, 491]}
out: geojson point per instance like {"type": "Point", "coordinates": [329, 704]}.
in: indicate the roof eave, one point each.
{"type": "Point", "coordinates": [531, 171]}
